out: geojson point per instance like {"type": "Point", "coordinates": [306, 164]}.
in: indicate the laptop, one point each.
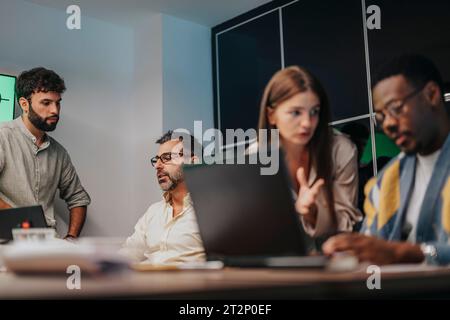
{"type": "Point", "coordinates": [12, 218]}
{"type": "Point", "coordinates": [247, 219]}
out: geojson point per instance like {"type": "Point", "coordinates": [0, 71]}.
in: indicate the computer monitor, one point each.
{"type": "Point", "coordinates": [7, 97]}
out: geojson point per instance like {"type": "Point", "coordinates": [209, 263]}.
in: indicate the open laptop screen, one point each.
{"type": "Point", "coordinates": [12, 218]}
{"type": "Point", "coordinates": [243, 213]}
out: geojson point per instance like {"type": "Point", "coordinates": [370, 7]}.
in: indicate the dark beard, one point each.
{"type": "Point", "coordinates": [39, 122]}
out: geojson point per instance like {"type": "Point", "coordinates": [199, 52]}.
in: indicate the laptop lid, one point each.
{"type": "Point", "coordinates": [11, 218]}
{"type": "Point", "coordinates": [243, 213]}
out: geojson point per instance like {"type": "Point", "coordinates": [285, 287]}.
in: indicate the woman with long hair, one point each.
{"type": "Point", "coordinates": [321, 162]}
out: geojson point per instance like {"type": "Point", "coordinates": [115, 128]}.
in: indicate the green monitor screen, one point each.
{"type": "Point", "coordinates": [7, 97]}
{"type": "Point", "coordinates": [385, 147]}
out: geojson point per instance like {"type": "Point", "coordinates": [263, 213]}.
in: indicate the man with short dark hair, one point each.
{"type": "Point", "coordinates": [33, 165]}
{"type": "Point", "coordinates": [408, 204]}
{"type": "Point", "coordinates": [168, 234]}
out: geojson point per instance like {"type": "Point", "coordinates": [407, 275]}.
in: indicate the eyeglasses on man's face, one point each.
{"type": "Point", "coordinates": [165, 157]}
{"type": "Point", "coordinates": [394, 109]}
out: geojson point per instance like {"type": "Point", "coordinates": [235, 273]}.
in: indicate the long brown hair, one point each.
{"type": "Point", "coordinates": [285, 84]}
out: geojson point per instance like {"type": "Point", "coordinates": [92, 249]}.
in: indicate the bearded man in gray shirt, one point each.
{"type": "Point", "coordinates": [33, 165]}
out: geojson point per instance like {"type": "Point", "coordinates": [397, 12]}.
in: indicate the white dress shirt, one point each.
{"type": "Point", "coordinates": [161, 239]}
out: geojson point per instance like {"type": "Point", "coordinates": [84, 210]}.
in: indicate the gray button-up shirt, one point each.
{"type": "Point", "coordinates": [30, 175]}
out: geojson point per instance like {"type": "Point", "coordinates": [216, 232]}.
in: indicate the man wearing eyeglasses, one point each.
{"type": "Point", "coordinates": [168, 234]}
{"type": "Point", "coordinates": [407, 205]}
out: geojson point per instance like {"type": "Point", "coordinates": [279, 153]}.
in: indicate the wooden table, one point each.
{"type": "Point", "coordinates": [233, 284]}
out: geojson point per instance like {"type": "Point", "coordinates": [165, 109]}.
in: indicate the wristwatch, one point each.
{"type": "Point", "coordinates": [430, 252]}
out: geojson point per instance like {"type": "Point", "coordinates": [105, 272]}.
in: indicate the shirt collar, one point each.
{"type": "Point", "coordinates": [187, 200]}
{"type": "Point", "coordinates": [429, 159]}
{"type": "Point", "coordinates": [18, 122]}
{"type": "Point", "coordinates": [187, 205]}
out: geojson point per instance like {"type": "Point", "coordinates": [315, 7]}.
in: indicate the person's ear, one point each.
{"type": "Point", "coordinates": [24, 104]}
{"type": "Point", "coordinates": [271, 118]}
{"type": "Point", "coordinates": [433, 93]}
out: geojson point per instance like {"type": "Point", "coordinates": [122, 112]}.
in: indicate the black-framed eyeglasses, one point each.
{"type": "Point", "coordinates": [395, 108]}
{"type": "Point", "coordinates": [165, 157]}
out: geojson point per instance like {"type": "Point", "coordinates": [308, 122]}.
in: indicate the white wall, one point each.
{"type": "Point", "coordinates": [146, 112]}
{"type": "Point", "coordinates": [121, 83]}
{"type": "Point", "coordinates": [187, 74]}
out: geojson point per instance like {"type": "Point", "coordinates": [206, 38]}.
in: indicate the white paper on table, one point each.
{"type": "Point", "coordinates": [57, 255]}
